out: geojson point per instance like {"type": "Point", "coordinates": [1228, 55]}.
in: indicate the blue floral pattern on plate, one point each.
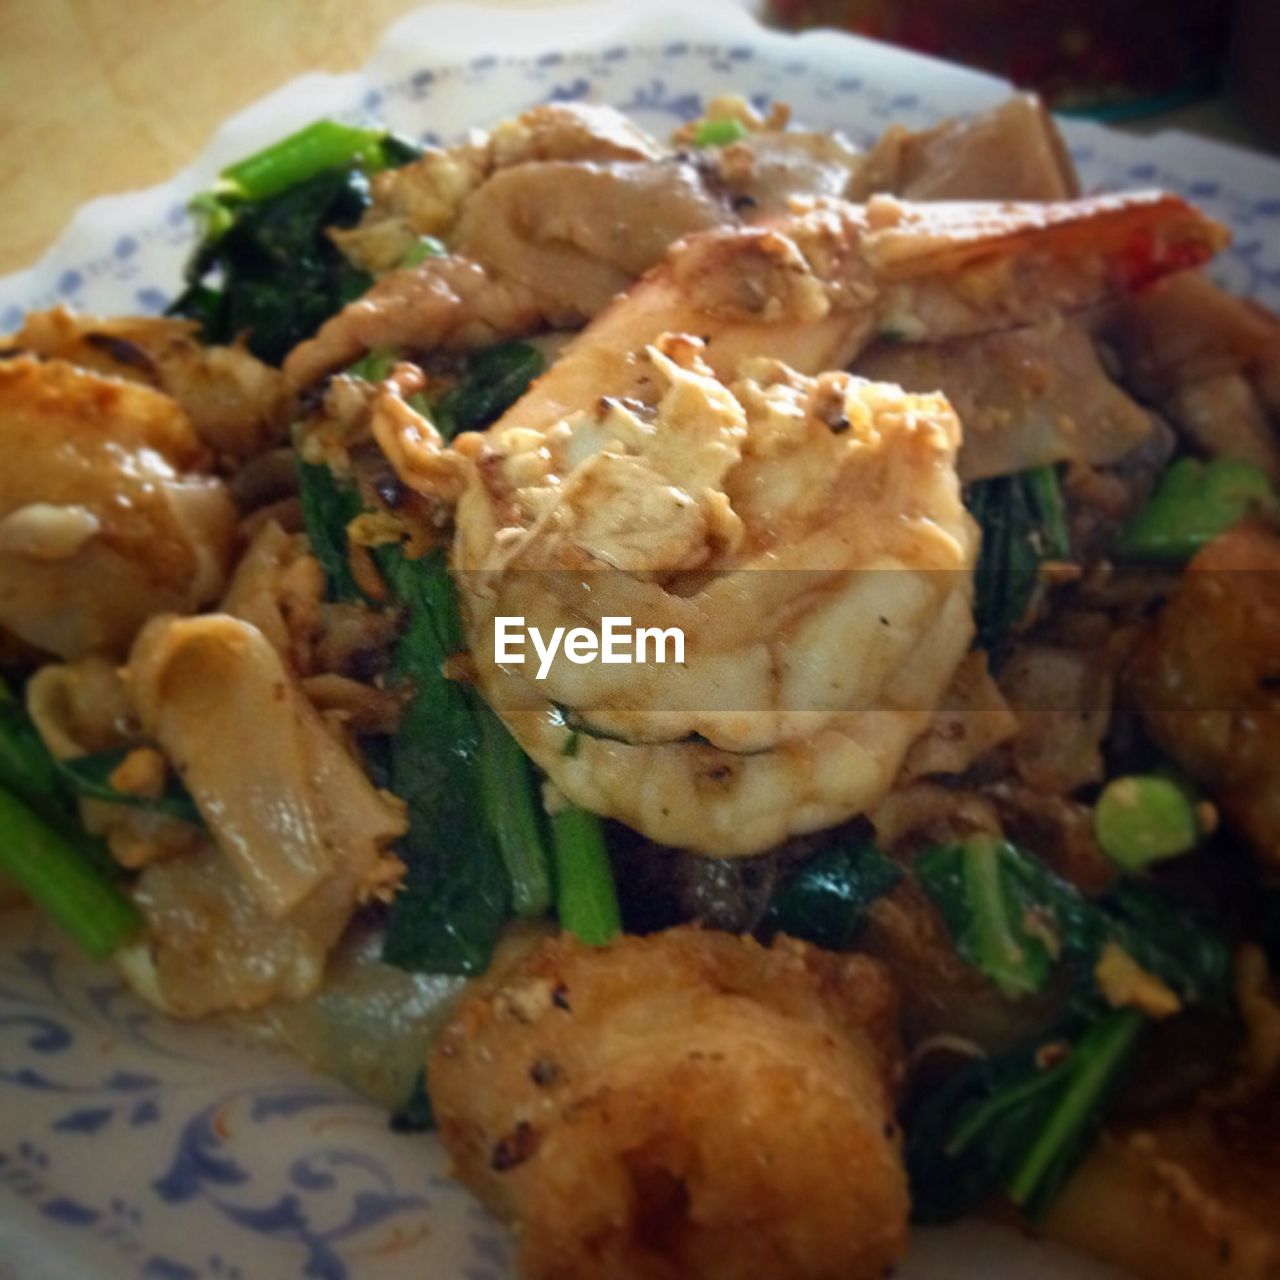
{"type": "Point", "coordinates": [133, 1148]}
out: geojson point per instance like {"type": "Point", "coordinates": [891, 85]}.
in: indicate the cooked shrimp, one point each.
{"type": "Point", "coordinates": [106, 516]}
{"type": "Point", "coordinates": [686, 1104]}
{"type": "Point", "coordinates": [783, 524]}
{"type": "Point", "coordinates": [752, 507]}
{"type": "Point", "coordinates": [815, 289]}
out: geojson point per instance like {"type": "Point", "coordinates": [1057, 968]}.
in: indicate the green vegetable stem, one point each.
{"type": "Point", "coordinates": [62, 881]}
{"type": "Point", "coordinates": [1020, 1121]}
{"type": "Point", "coordinates": [586, 899]}
{"type": "Point", "coordinates": [1193, 503]}
{"type": "Point", "coordinates": [1015, 921]}
{"type": "Point", "coordinates": [324, 144]}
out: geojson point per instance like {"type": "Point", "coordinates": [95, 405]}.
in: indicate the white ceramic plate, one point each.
{"type": "Point", "coordinates": [132, 1148]}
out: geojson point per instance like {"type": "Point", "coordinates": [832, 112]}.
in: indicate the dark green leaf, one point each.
{"type": "Point", "coordinates": [1171, 940]}
{"type": "Point", "coordinates": [328, 507]}
{"type": "Point", "coordinates": [89, 777]}
{"type": "Point", "coordinates": [457, 894]}
{"type": "Point", "coordinates": [1023, 522]}
{"type": "Point", "coordinates": [992, 912]}
{"type": "Point", "coordinates": [29, 771]}
{"type": "Point", "coordinates": [494, 380]}
{"type": "Point", "coordinates": [273, 273]}
{"type": "Point", "coordinates": [416, 1116]}
{"type": "Point", "coordinates": [1021, 1120]}
{"type": "Point", "coordinates": [1166, 938]}
{"type": "Point", "coordinates": [826, 901]}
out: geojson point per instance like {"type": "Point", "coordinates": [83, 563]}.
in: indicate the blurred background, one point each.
{"type": "Point", "coordinates": [109, 95]}
{"type": "Point", "coordinates": [1207, 65]}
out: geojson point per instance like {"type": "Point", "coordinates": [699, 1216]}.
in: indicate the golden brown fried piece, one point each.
{"type": "Point", "coordinates": [106, 513]}
{"type": "Point", "coordinates": [1207, 680]}
{"type": "Point", "coordinates": [237, 405]}
{"type": "Point", "coordinates": [686, 1104]}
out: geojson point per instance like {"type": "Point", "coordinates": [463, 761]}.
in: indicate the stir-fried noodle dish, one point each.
{"type": "Point", "coordinates": [736, 678]}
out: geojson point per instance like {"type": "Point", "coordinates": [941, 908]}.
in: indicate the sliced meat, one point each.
{"type": "Point", "coordinates": [575, 234]}
{"type": "Point", "coordinates": [1027, 398]}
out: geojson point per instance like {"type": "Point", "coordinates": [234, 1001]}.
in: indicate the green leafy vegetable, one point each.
{"type": "Point", "coordinates": [1169, 939]}
{"type": "Point", "coordinates": [89, 777]}
{"type": "Point", "coordinates": [265, 265]}
{"type": "Point", "coordinates": [476, 852]}
{"type": "Point", "coordinates": [51, 787]}
{"type": "Point", "coordinates": [1193, 503]}
{"type": "Point", "coordinates": [1011, 917]}
{"type": "Point", "coordinates": [719, 133]}
{"type": "Point", "coordinates": [29, 771]}
{"type": "Point", "coordinates": [586, 898]}
{"type": "Point", "coordinates": [513, 807]}
{"type": "Point", "coordinates": [1021, 1120]}
{"type": "Point", "coordinates": [999, 940]}
{"type": "Point", "coordinates": [27, 768]}
{"type": "Point", "coordinates": [826, 901]}
{"type": "Point", "coordinates": [457, 893]}
{"type": "Point", "coordinates": [997, 908]}
{"type": "Point", "coordinates": [1023, 522]}
{"type": "Point", "coordinates": [273, 274]}
{"type": "Point", "coordinates": [1143, 819]}
{"type": "Point", "coordinates": [328, 507]}
{"type": "Point", "coordinates": [62, 881]}
{"type": "Point", "coordinates": [494, 380]}
{"type": "Point", "coordinates": [324, 144]}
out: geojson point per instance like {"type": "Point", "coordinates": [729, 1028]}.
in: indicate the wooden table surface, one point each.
{"type": "Point", "coordinates": [110, 95]}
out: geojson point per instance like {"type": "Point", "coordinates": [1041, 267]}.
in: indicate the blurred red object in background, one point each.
{"type": "Point", "coordinates": [1110, 58]}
